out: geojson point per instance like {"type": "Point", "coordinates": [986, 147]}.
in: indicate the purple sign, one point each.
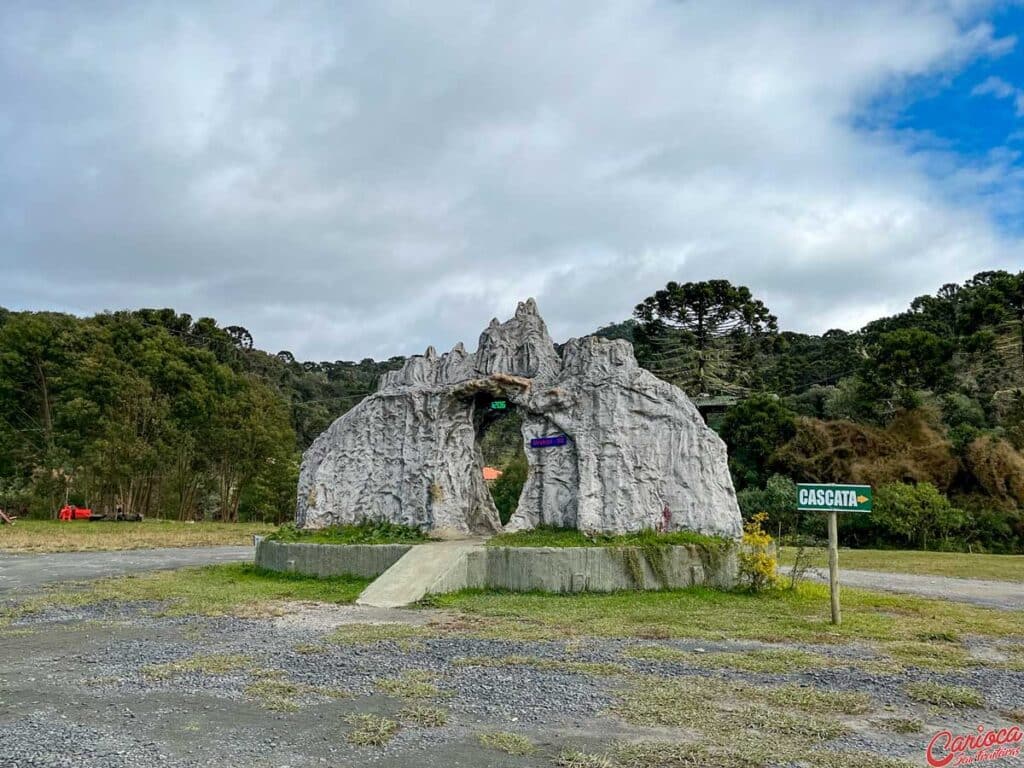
{"type": "Point", "coordinates": [547, 442]}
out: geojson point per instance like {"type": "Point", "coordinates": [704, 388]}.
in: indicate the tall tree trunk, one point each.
{"type": "Point", "coordinates": [47, 411]}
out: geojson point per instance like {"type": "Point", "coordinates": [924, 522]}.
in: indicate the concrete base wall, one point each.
{"type": "Point", "coordinates": [367, 561]}
{"type": "Point", "coordinates": [521, 569]}
{"type": "Point", "coordinates": [600, 569]}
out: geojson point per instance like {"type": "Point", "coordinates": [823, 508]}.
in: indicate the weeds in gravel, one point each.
{"type": "Point", "coordinates": [719, 706]}
{"type": "Point", "coordinates": [272, 690]}
{"type": "Point", "coordinates": [310, 649]}
{"type": "Point", "coordinates": [741, 754]}
{"type": "Point", "coordinates": [940, 695]}
{"type": "Point", "coordinates": [213, 664]}
{"type": "Point", "coordinates": [829, 759]}
{"type": "Point", "coordinates": [595, 668]}
{"type": "Point", "coordinates": [276, 694]}
{"type": "Point", "coordinates": [368, 634]}
{"type": "Point", "coordinates": [899, 724]}
{"type": "Point", "coordinates": [509, 743]}
{"type": "Point", "coordinates": [574, 758]}
{"type": "Point", "coordinates": [766, 660]}
{"type": "Point", "coordinates": [424, 716]}
{"type": "Point", "coordinates": [674, 754]}
{"type": "Point", "coordinates": [739, 724]}
{"type": "Point", "coordinates": [657, 653]}
{"type": "Point", "coordinates": [412, 684]}
{"type": "Point", "coordinates": [1015, 715]}
{"type": "Point", "coordinates": [370, 730]}
{"type": "Point", "coordinates": [101, 681]}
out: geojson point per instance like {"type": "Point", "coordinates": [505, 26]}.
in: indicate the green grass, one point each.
{"type": "Point", "coordinates": [940, 695]}
{"type": "Point", "coordinates": [570, 537]}
{"type": "Point", "coordinates": [363, 533]}
{"type": "Point", "coordinates": [509, 743]}
{"type": "Point", "coordinates": [83, 536]}
{"type": "Point", "coordinates": [238, 589]}
{"type": "Point", "coordinates": [934, 655]}
{"type": "Point", "coordinates": [957, 564]}
{"type": "Point", "coordinates": [703, 613]}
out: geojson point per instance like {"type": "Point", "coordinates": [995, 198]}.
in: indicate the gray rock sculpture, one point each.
{"type": "Point", "coordinates": [637, 455]}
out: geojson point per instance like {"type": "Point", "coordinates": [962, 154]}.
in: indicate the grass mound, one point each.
{"type": "Point", "coordinates": [570, 537]}
{"type": "Point", "coordinates": [363, 533]}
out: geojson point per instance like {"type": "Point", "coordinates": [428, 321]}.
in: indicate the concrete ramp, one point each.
{"type": "Point", "coordinates": [438, 566]}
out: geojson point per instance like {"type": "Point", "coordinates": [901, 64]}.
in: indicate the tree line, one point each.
{"type": "Point", "coordinates": [177, 417]}
{"type": "Point", "coordinates": [158, 414]}
{"type": "Point", "coordinates": [926, 405]}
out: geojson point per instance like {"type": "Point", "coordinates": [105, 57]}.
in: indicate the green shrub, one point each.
{"type": "Point", "coordinates": [777, 499]}
{"type": "Point", "coordinates": [506, 489]}
{"type": "Point", "coordinates": [918, 515]}
{"type": "Point", "coordinates": [753, 430]}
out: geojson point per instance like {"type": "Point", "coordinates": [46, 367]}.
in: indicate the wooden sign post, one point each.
{"type": "Point", "coordinates": [813, 497]}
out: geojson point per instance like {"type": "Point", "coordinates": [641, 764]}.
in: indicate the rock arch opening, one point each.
{"type": "Point", "coordinates": [498, 432]}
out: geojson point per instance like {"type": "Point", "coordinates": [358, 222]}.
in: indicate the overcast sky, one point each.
{"type": "Point", "coordinates": [351, 180]}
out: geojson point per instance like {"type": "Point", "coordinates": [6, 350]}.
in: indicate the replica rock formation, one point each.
{"type": "Point", "coordinates": [638, 454]}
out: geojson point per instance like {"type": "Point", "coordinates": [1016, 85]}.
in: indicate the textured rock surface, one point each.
{"type": "Point", "coordinates": [638, 450]}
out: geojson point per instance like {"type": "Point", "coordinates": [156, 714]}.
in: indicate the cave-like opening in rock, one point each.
{"type": "Point", "coordinates": [499, 438]}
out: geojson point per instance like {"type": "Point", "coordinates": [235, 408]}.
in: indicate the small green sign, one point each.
{"type": "Point", "coordinates": [815, 497]}
{"type": "Point", "coordinates": [499, 405]}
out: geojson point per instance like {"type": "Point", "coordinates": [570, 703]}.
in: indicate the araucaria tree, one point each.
{"type": "Point", "coordinates": [704, 337]}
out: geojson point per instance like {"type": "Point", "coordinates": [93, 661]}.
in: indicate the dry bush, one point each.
{"type": "Point", "coordinates": [910, 449]}
{"type": "Point", "coordinates": [997, 468]}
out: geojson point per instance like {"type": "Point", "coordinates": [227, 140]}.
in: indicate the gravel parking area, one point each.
{"type": "Point", "coordinates": [114, 685]}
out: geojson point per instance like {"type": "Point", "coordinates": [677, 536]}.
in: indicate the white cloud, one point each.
{"type": "Point", "coordinates": [349, 181]}
{"type": "Point", "coordinates": [1000, 89]}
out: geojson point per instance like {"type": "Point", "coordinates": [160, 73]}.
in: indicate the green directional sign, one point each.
{"type": "Point", "coordinates": [499, 405]}
{"type": "Point", "coordinates": [815, 497]}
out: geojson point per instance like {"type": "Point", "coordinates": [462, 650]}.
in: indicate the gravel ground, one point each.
{"type": "Point", "coordinates": [78, 688]}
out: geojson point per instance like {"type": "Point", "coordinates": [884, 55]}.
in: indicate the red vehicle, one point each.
{"type": "Point", "coordinates": [71, 512]}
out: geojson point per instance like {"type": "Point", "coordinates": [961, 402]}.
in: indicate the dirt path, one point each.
{"type": "Point", "coordinates": [23, 573]}
{"type": "Point", "coordinates": [1005, 595]}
